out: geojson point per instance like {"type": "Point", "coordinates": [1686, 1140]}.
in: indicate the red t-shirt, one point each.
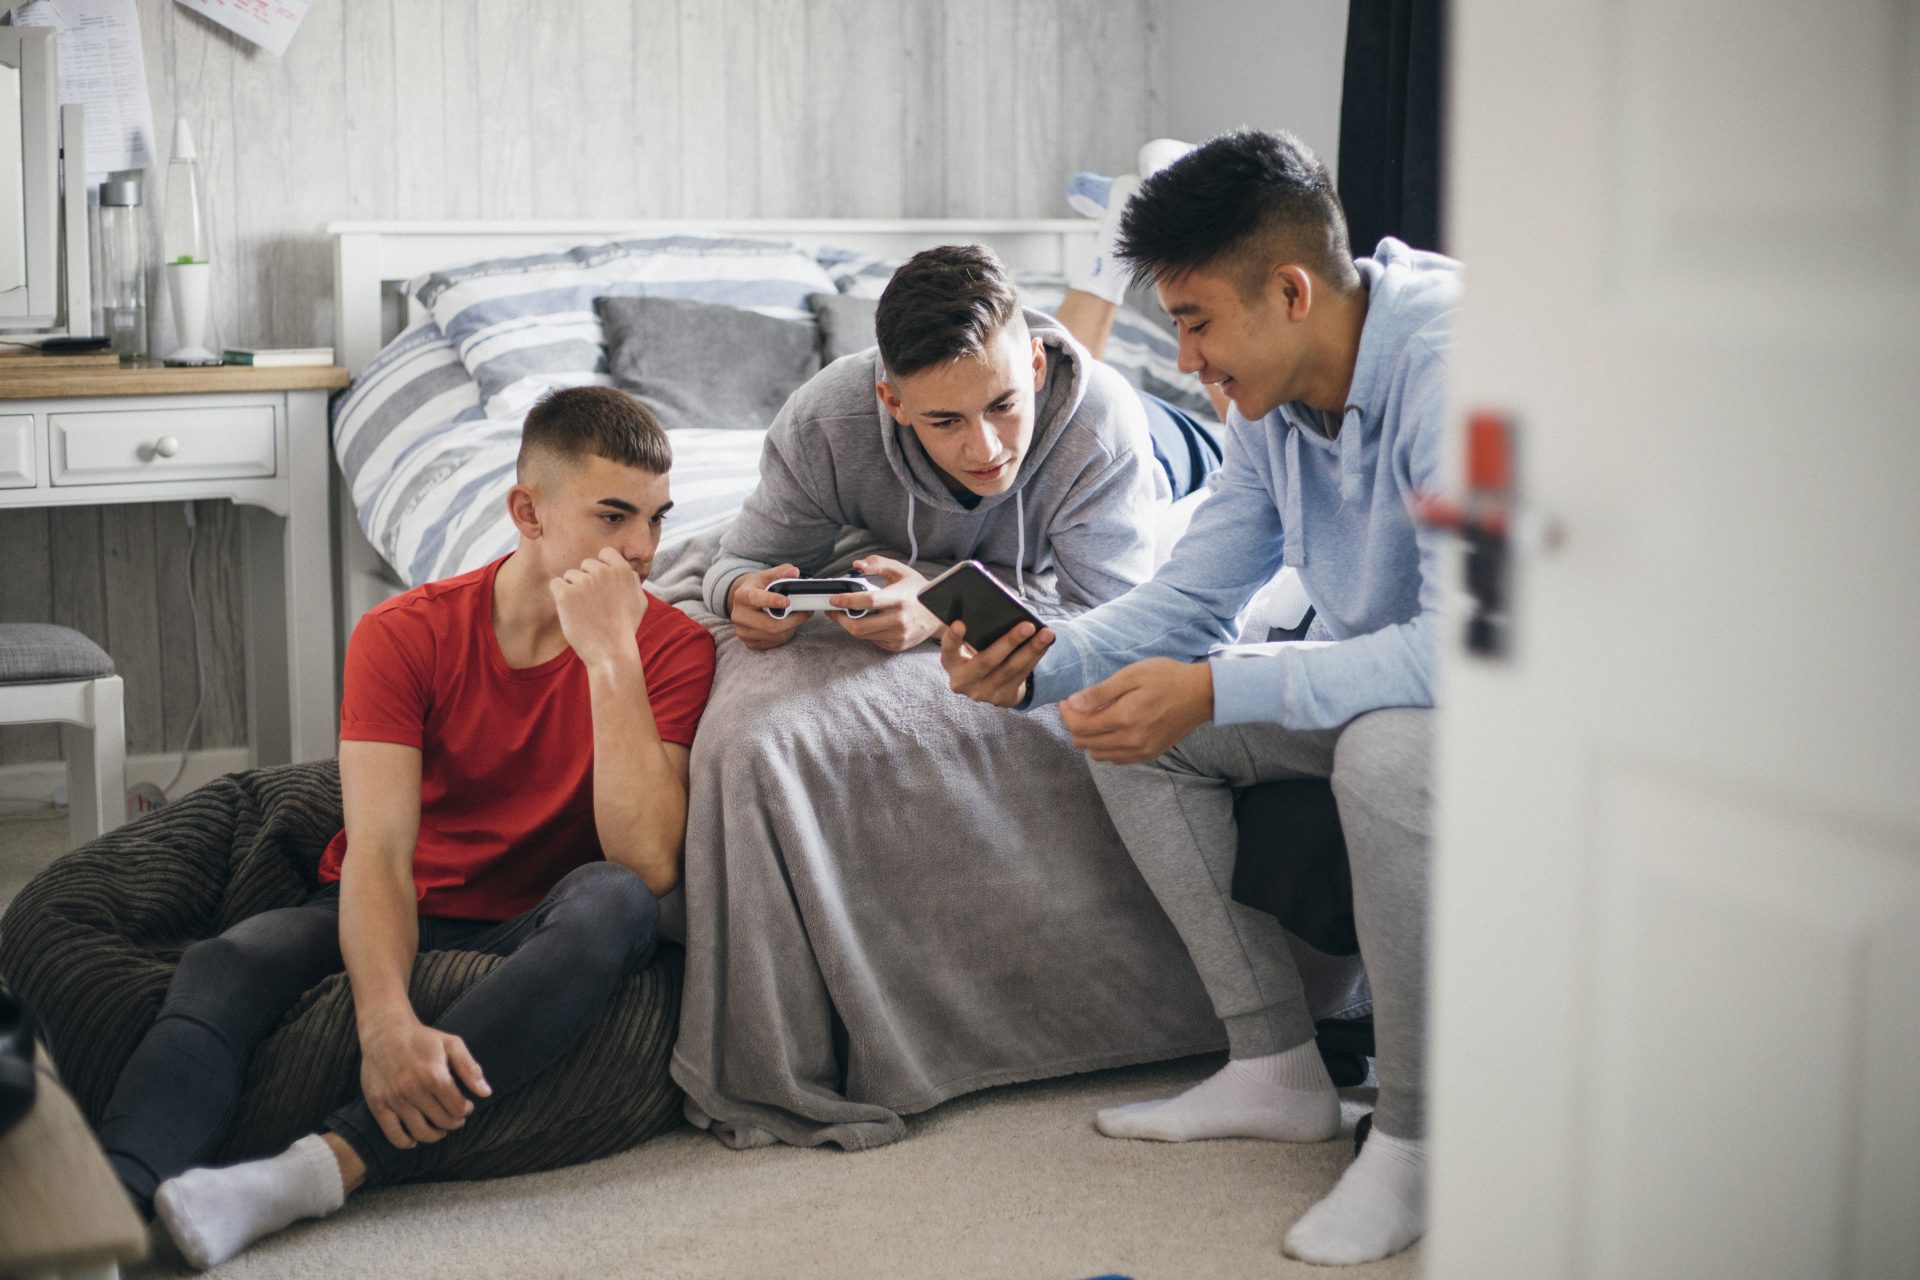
{"type": "Point", "coordinates": [506, 756]}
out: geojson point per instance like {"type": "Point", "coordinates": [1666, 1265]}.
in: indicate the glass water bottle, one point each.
{"type": "Point", "coordinates": [123, 266]}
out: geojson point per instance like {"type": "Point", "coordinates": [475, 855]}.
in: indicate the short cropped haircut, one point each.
{"type": "Point", "coordinates": [599, 422]}
{"type": "Point", "coordinates": [1244, 202]}
{"type": "Point", "coordinates": [944, 304]}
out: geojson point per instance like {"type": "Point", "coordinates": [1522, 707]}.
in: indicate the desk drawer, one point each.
{"type": "Point", "coordinates": [16, 451]}
{"type": "Point", "coordinates": [128, 446]}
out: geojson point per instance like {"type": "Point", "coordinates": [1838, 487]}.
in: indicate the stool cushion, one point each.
{"type": "Point", "coordinates": [39, 651]}
{"type": "Point", "coordinates": [91, 944]}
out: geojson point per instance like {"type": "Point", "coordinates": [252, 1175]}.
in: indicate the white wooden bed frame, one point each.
{"type": "Point", "coordinates": [371, 260]}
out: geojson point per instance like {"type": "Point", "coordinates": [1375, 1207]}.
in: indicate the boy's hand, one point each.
{"type": "Point", "coordinates": [1141, 711]}
{"type": "Point", "coordinates": [895, 618]}
{"type": "Point", "coordinates": [748, 607]}
{"type": "Point", "coordinates": [998, 674]}
{"type": "Point", "coordinates": [601, 604]}
{"type": "Point", "coordinates": [407, 1075]}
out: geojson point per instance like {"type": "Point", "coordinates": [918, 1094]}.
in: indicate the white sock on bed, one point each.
{"type": "Point", "coordinates": [212, 1214]}
{"type": "Point", "coordinates": [1282, 1097]}
{"type": "Point", "coordinates": [1378, 1207]}
{"type": "Point", "coordinates": [1100, 273]}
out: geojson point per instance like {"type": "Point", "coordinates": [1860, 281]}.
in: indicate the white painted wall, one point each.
{"type": "Point", "coordinates": [1271, 64]}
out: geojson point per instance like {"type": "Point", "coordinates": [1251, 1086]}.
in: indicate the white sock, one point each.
{"type": "Point", "coordinates": [212, 1214]}
{"type": "Point", "coordinates": [1282, 1097]}
{"type": "Point", "coordinates": [1378, 1207]}
{"type": "Point", "coordinates": [1088, 194]}
{"type": "Point", "coordinates": [1101, 274]}
{"type": "Point", "coordinates": [1160, 153]}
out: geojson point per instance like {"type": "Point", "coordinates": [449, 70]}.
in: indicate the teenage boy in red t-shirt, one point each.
{"type": "Point", "coordinates": [513, 762]}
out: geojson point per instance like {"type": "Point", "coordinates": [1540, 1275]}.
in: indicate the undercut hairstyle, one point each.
{"type": "Point", "coordinates": [575, 423]}
{"type": "Point", "coordinates": [944, 304]}
{"type": "Point", "coordinates": [1244, 203]}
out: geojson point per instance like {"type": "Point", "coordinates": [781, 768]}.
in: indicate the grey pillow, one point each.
{"type": "Point", "coordinates": [699, 364]}
{"type": "Point", "coordinates": [846, 323]}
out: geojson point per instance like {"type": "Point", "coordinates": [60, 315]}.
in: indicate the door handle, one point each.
{"type": "Point", "coordinates": [1486, 520]}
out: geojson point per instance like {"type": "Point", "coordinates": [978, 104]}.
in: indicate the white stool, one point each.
{"type": "Point", "coordinates": [50, 674]}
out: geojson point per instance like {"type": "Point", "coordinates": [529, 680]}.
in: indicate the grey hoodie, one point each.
{"type": "Point", "coordinates": [1075, 530]}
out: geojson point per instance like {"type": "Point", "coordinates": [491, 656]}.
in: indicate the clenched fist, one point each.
{"type": "Point", "coordinates": [601, 605]}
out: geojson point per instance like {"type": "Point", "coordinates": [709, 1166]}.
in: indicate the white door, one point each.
{"type": "Point", "coordinates": [1676, 1006]}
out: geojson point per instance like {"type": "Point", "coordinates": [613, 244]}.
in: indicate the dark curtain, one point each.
{"type": "Point", "coordinates": [1390, 122]}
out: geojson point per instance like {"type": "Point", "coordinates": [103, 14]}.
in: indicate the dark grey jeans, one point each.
{"type": "Point", "coordinates": [178, 1094]}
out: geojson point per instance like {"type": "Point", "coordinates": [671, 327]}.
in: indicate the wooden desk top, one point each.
{"type": "Point", "coordinates": [158, 380]}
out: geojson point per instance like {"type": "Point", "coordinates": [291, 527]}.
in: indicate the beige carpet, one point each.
{"type": "Point", "coordinates": [1013, 1182]}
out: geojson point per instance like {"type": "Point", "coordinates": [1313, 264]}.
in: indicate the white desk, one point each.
{"type": "Point", "coordinates": [256, 437]}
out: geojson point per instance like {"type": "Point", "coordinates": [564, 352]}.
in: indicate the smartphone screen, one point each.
{"type": "Point", "coordinates": [968, 593]}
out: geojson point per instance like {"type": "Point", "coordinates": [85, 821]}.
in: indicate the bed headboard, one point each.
{"type": "Point", "coordinates": [371, 258]}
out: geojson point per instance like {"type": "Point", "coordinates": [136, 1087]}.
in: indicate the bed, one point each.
{"type": "Point", "coordinates": [847, 964]}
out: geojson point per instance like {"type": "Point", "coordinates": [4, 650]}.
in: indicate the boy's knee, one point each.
{"type": "Point", "coordinates": [1385, 758]}
{"type": "Point", "coordinates": [238, 980]}
{"type": "Point", "coordinates": [611, 908]}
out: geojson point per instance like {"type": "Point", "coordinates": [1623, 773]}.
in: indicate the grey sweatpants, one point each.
{"type": "Point", "coordinates": [1176, 816]}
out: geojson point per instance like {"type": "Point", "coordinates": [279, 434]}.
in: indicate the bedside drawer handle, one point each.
{"type": "Point", "coordinates": [166, 446]}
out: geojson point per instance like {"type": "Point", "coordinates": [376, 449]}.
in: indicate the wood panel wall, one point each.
{"type": "Point", "coordinates": [587, 109]}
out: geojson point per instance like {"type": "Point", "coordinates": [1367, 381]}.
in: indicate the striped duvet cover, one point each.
{"type": "Point", "coordinates": [428, 433]}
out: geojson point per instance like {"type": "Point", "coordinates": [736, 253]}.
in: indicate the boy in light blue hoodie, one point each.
{"type": "Point", "coordinates": [1337, 374]}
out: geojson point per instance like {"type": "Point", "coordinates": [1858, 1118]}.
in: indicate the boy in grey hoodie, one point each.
{"type": "Point", "coordinates": [974, 430]}
{"type": "Point", "coordinates": [1337, 374]}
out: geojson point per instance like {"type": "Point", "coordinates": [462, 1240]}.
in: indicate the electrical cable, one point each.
{"type": "Point", "coordinates": [199, 667]}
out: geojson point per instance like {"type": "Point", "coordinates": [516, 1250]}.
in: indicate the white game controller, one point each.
{"type": "Point", "coordinates": [810, 595]}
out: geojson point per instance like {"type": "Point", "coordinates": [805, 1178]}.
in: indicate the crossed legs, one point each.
{"type": "Point", "coordinates": [176, 1098]}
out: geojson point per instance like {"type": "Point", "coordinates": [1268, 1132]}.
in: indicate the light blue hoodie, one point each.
{"type": "Point", "coordinates": [1333, 507]}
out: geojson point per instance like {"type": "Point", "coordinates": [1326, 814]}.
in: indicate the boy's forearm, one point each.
{"type": "Point", "coordinates": [379, 937]}
{"type": "Point", "coordinates": [639, 802]}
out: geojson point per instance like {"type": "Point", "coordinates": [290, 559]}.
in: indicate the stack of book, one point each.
{"type": "Point", "coordinates": [277, 357]}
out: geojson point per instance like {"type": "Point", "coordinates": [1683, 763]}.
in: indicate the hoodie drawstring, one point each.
{"type": "Point", "coordinates": [1352, 479]}
{"type": "Point", "coordinates": [1020, 555]}
{"type": "Point", "coordinates": [1020, 527]}
{"type": "Point", "coordinates": [913, 540]}
{"type": "Point", "coordinates": [1294, 553]}
{"type": "Point", "coordinates": [1351, 428]}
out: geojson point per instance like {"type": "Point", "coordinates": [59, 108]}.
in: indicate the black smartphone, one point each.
{"type": "Point", "coordinates": [968, 593]}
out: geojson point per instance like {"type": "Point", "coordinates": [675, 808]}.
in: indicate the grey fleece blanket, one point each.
{"type": "Point", "coordinates": [895, 896]}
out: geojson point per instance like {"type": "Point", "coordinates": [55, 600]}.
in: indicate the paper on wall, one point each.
{"type": "Point", "coordinates": [267, 23]}
{"type": "Point", "coordinates": [101, 67]}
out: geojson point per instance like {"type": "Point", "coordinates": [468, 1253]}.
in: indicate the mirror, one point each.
{"type": "Point", "coordinates": [13, 186]}
{"type": "Point", "coordinates": [30, 275]}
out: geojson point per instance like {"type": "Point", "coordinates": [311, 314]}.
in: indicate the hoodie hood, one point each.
{"type": "Point", "coordinates": [1407, 290]}
{"type": "Point", "coordinates": [1057, 400]}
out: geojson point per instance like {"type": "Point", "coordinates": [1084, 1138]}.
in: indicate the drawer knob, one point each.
{"type": "Point", "coordinates": [166, 446]}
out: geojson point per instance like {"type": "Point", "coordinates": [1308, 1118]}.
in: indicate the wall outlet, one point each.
{"type": "Point", "coordinates": [144, 798]}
